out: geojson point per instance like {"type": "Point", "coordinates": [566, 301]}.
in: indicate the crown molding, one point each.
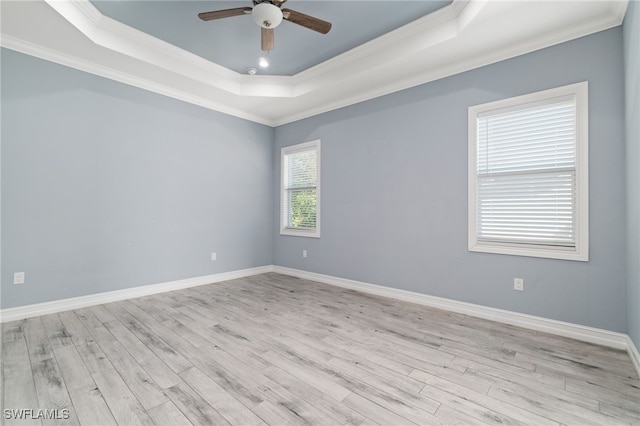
{"type": "Point", "coordinates": [464, 35]}
{"type": "Point", "coordinates": [74, 62]}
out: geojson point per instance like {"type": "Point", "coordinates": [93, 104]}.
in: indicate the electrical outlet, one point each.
{"type": "Point", "coordinates": [518, 284]}
{"type": "Point", "coordinates": [304, 254]}
{"type": "Point", "coordinates": [18, 278]}
{"type": "Point", "coordinates": [214, 256]}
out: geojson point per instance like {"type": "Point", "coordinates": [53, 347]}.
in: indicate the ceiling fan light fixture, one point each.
{"type": "Point", "coordinates": [267, 15]}
{"type": "Point", "coordinates": [263, 62]}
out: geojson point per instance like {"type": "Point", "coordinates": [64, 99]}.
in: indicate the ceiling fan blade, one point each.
{"type": "Point", "coordinates": [267, 39]}
{"type": "Point", "coordinates": [278, 2]}
{"type": "Point", "coordinates": [226, 13]}
{"type": "Point", "coordinates": [307, 21]}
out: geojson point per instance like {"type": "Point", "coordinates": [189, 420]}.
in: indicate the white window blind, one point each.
{"type": "Point", "coordinates": [300, 189]}
{"type": "Point", "coordinates": [528, 177]}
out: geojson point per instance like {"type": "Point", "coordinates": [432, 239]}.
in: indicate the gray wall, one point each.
{"type": "Point", "coordinates": [394, 191]}
{"type": "Point", "coordinates": [105, 186]}
{"type": "Point", "coordinates": [631, 30]}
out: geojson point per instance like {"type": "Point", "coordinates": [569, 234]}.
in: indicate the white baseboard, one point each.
{"type": "Point", "coordinates": [634, 354]}
{"type": "Point", "coordinates": [574, 331]}
{"type": "Point", "coordinates": [28, 311]}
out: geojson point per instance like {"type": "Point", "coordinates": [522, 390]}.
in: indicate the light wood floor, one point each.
{"type": "Point", "coordinates": [277, 350]}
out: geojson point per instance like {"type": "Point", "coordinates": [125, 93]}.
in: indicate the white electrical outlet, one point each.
{"type": "Point", "coordinates": [518, 284]}
{"type": "Point", "coordinates": [214, 256]}
{"type": "Point", "coordinates": [304, 254]}
{"type": "Point", "coordinates": [18, 278]}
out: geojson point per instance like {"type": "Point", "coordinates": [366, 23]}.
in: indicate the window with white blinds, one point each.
{"type": "Point", "coordinates": [528, 175]}
{"type": "Point", "coordinates": [300, 191]}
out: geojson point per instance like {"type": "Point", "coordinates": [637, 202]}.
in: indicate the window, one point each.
{"type": "Point", "coordinates": [300, 190]}
{"type": "Point", "coordinates": [528, 177]}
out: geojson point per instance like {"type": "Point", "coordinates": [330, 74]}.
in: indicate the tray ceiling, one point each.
{"type": "Point", "coordinates": [235, 42]}
{"type": "Point", "coordinates": [452, 38]}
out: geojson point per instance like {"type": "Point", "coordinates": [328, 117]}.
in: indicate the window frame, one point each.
{"type": "Point", "coordinates": [579, 91]}
{"type": "Point", "coordinates": [287, 150]}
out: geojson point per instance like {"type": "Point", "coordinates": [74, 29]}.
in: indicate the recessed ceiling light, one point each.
{"type": "Point", "coordinates": [263, 62]}
{"type": "Point", "coordinates": [251, 71]}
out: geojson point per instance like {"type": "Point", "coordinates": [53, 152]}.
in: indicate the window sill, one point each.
{"type": "Point", "coordinates": [548, 252]}
{"type": "Point", "coordinates": [309, 233]}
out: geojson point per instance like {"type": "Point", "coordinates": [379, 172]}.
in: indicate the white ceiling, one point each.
{"type": "Point", "coordinates": [460, 36]}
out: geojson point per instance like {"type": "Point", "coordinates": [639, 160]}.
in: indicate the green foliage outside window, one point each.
{"type": "Point", "coordinates": [302, 208]}
{"type": "Point", "coordinates": [300, 178]}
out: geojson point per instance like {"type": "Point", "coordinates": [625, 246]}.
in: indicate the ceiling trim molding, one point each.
{"type": "Point", "coordinates": [121, 38]}
{"type": "Point", "coordinates": [57, 57]}
{"type": "Point", "coordinates": [436, 27]}
{"type": "Point", "coordinates": [459, 37]}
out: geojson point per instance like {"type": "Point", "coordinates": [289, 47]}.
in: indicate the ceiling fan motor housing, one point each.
{"type": "Point", "coordinates": [267, 15]}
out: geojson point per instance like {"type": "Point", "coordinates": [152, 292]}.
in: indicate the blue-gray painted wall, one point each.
{"type": "Point", "coordinates": [106, 187]}
{"type": "Point", "coordinates": [394, 191]}
{"type": "Point", "coordinates": [631, 30]}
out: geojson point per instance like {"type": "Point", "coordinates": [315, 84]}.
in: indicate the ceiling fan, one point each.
{"type": "Point", "coordinates": [269, 14]}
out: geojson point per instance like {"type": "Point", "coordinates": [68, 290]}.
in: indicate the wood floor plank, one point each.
{"type": "Point", "coordinates": [320, 380]}
{"type": "Point", "coordinates": [135, 376]}
{"type": "Point", "coordinates": [274, 415]}
{"type": "Point", "coordinates": [52, 391]}
{"type": "Point", "coordinates": [621, 410]}
{"type": "Point", "coordinates": [168, 414]}
{"type": "Point", "coordinates": [124, 405]}
{"type": "Point", "coordinates": [50, 386]}
{"type": "Point", "coordinates": [476, 404]}
{"type": "Point", "coordinates": [225, 404]}
{"type": "Point", "coordinates": [161, 373]}
{"type": "Point", "coordinates": [232, 341]}
{"type": "Point", "coordinates": [172, 341]}
{"type": "Point", "coordinates": [277, 350]}
{"type": "Point", "coordinates": [239, 383]}
{"type": "Point", "coordinates": [36, 337]}
{"type": "Point", "coordinates": [595, 390]}
{"type": "Point", "coordinates": [450, 416]}
{"type": "Point", "coordinates": [405, 388]}
{"type": "Point", "coordinates": [196, 409]}
{"type": "Point", "coordinates": [13, 330]}
{"type": "Point", "coordinates": [477, 372]}
{"type": "Point", "coordinates": [85, 395]}
{"type": "Point", "coordinates": [75, 328]}
{"type": "Point", "coordinates": [567, 358]}
{"type": "Point", "coordinates": [338, 412]}
{"type": "Point", "coordinates": [374, 411]}
{"type": "Point", "coordinates": [575, 368]}
{"type": "Point", "coordinates": [245, 370]}
{"type": "Point", "coordinates": [148, 338]}
{"type": "Point", "coordinates": [297, 409]}
{"type": "Point", "coordinates": [558, 410]}
{"type": "Point", "coordinates": [56, 331]}
{"type": "Point", "coordinates": [94, 358]}
{"type": "Point", "coordinates": [18, 381]}
{"type": "Point", "coordinates": [420, 403]}
{"type": "Point", "coordinates": [328, 376]}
